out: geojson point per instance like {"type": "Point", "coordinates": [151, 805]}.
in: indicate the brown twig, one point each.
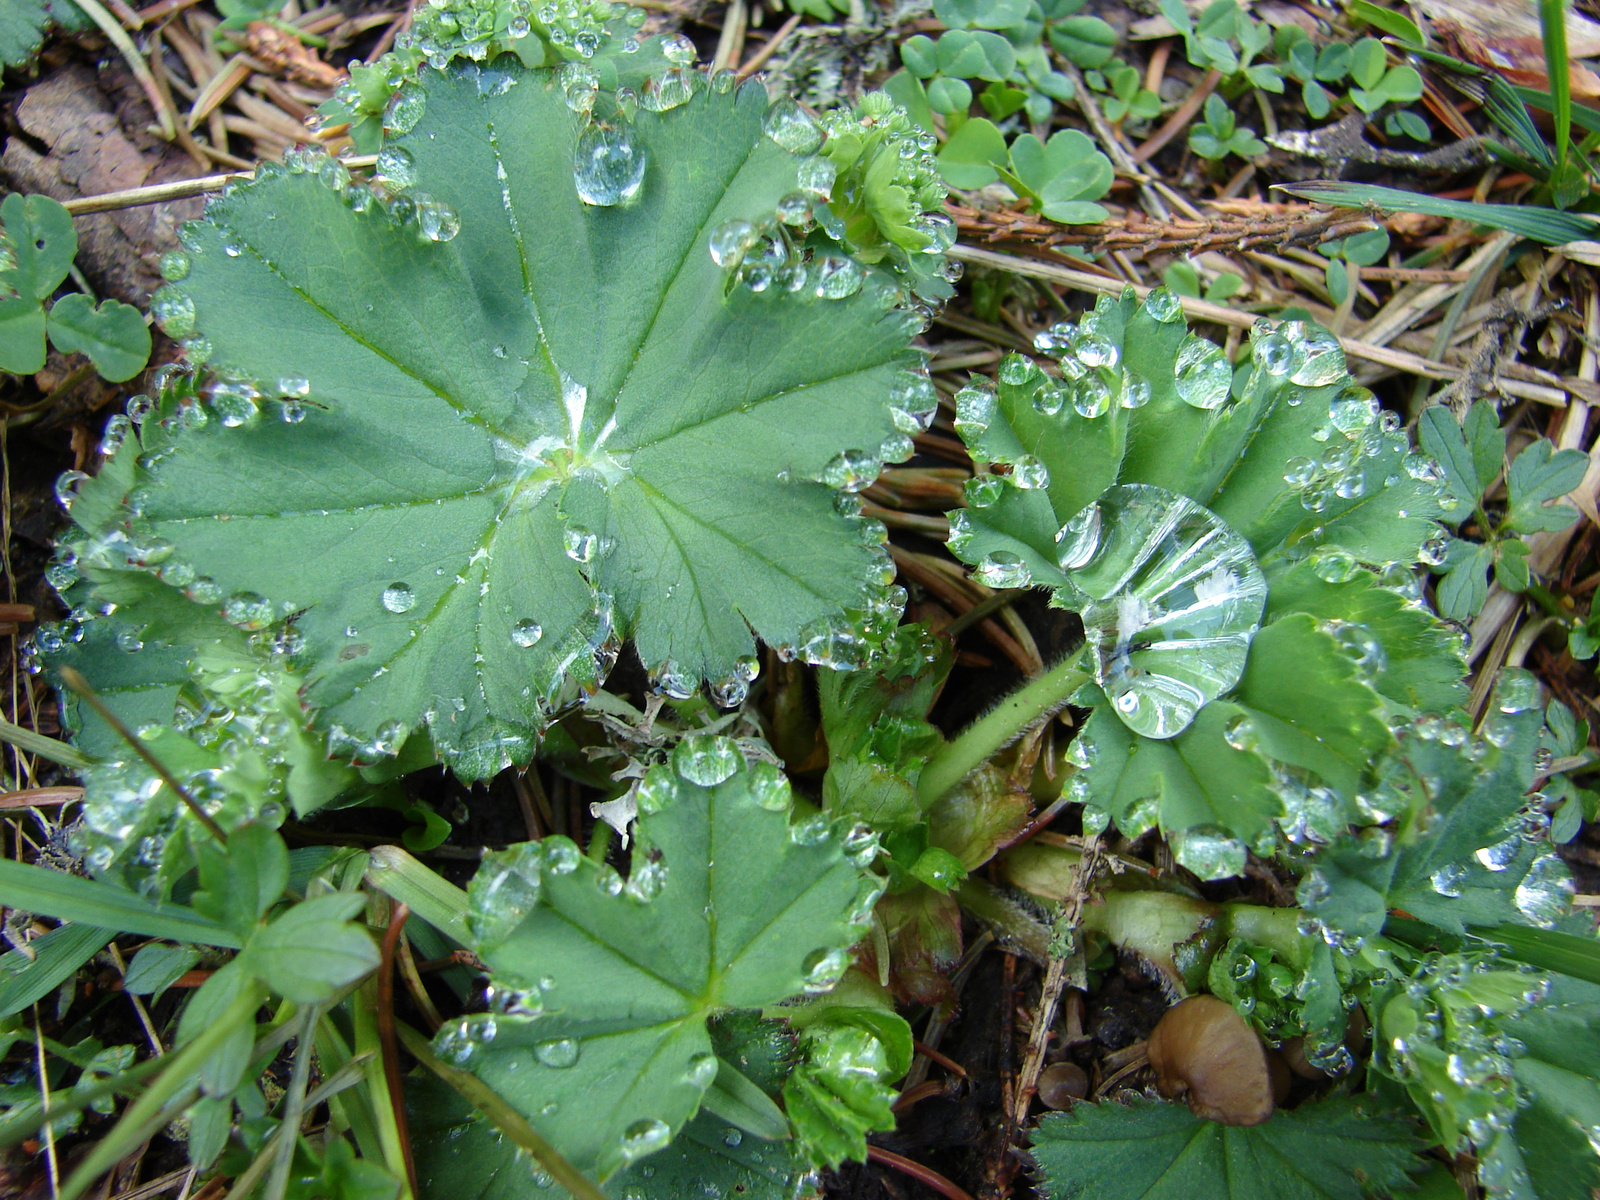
{"type": "Point", "coordinates": [80, 687]}
{"type": "Point", "coordinates": [759, 58]}
{"type": "Point", "coordinates": [1180, 118]}
{"type": "Point", "coordinates": [926, 1176]}
{"type": "Point", "coordinates": [949, 1064]}
{"type": "Point", "coordinates": [386, 1036]}
{"type": "Point", "coordinates": [1054, 979]}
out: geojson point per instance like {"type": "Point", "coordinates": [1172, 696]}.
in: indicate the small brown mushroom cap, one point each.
{"type": "Point", "coordinates": [1204, 1050]}
{"type": "Point", "coordinates": [1062, 1084]}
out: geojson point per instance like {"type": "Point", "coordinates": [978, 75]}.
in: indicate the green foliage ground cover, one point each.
{"type": "Point", "coordinates": [603, 353]}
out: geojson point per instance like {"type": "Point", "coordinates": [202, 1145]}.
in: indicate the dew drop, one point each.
{"type": "Point", "coordinates": [607, 165]}
{"type": "Point", "coordinates": [788, 125]}
{"type": "Point", "coordinates": [399, 598]}
{"type": "Point", "coordinates": [558, 1053]}
{"type": "Point", "coordinates": [644, 1137]}
{"type": "Point", "coordinates": [1202, 373]}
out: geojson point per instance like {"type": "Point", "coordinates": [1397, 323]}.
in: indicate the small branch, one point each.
{"type": "Point", "coordinates": [80, 687]}
{"type": "Point", "coordinates": [1180, 118]}
{"type": "Point", "coordinates": [1055, 979]}
{"type": "Point", "coordinates": [391, 1050]}
{"type": "Point", "coordinates": [926, 1176]}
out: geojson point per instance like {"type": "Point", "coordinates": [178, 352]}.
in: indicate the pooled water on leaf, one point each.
{"type": "Point", "coordinates": [1171, 598]}
{"type": "Point", "coordinates": [1517, 690]}
{"type": "Point", "coordinates": [1202, 374]}
{"type": "Point", "coordinates": [792, 129]}
{"type": "Point", "coordinates": [526, 632]}
{"type": "Point", "coordinates": [607, 165]}
{"type": "Point", "coordinates": [644, 1137]}
{"type": "Point", "coordinates": [707, 761]}
{"type": "Point", "coordinates": [399, 598]}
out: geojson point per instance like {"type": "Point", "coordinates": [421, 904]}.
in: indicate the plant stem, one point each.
{"type": "Point", "coordinates": [1029, 704]}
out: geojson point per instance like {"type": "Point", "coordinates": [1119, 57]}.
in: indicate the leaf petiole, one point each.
{"type": "Point", "coordinates": [1029, 704]}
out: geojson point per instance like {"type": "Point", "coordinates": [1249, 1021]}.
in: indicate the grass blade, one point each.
{"type": "Point", "coordinates": [1548, 949]}
{"type": "Point", "coordinates": [45, 747]}
{"type": "Point", "coordinates": [1553, 25]}
{"type": "Point", "coordinates": [1547, 226]}
{"type": "Point", "coordinates": [70, 898]}
{"type": "Point", "coordinates": [1506, 109]}
{"type": "Point", "coordinates": [56, 956]}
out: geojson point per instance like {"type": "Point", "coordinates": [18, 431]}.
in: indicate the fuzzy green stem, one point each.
{"type": "Point", "coordinates": [1031, 703]}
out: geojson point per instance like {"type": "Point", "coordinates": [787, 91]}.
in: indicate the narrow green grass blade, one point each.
{"type": "Point", "coordinates": [70, 898]}
{"type": "Point", "coordinates": [1547, 226]}
{"type": "Point", "coordinates": [1576, 956]}
{"type": "Point", "coordinates": [56, 956]}
{"type": "Point", "coordinates": [1553, 25]}
{"type": "Point", "coordinates": [1507, 110]}
{"type": "Point", "coordinates": [44, 747]}
{"type": "Point", "coordinates": [1586, 119]}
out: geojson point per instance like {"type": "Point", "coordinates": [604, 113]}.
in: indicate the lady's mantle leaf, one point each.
{"type": "Point", "coordinates": [603, 986]}
{"type": "Point", "coordinates": [564, 417]}
{"type": "Point", "coordinates": [1149, 1151]}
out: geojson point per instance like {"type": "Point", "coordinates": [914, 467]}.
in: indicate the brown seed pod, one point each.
{"type": "Point", "coordinates": [1202, 1049]}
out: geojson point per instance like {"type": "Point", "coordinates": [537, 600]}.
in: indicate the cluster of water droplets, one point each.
{"type": "Point", "coordinates": [1448, 1035]}
{"type": "Point", "coordinates": [480, 29]}
{"type": "Point", "coordinates": [609, 159]}
{"type": "Point", "coordinates": [242, 711]}
{"type": "Point", "coordinates": [1273, 995]}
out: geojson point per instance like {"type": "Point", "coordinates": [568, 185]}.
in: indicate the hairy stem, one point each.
{"type": "Point", "coordinates": [1032, 702]}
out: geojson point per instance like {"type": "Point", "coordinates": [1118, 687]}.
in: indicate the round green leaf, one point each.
{"type": "Point", "coordinates": [510, 447]}
{"type": "Point", "coordinates": [114, 335]}
{"type": "Point", "coordinates": [949, 95]}
{"type": "Point", "coordinates": [39, 233]}
{"type": "Point", "coordinates": [967, 159]}
{"type": "Point", "coordinates": [1084, 41]}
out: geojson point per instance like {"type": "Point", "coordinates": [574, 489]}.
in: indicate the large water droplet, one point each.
{"type": "Point", "coordinates": [1209, 853]}
{"type": "Point", "coordinates": [644, 1137]}
{"type": "Point", "coordinates": [729, 241]}
{"type": "Point", "coordinates": [707, 761]}
{"type": "Point", "coordinates": [1163, 306]}
{"type": "Point", "coordinates": [1202, 373]}
{"type": "Point", "coordinates": [823, 969]}
{"type": "Point", "coordinates": [607, 165]}
{"type": "Point", "coordinates": [1545, 894]}
{"type": "Point", "coordinates": [559, 1053]}
{"type": "Point", "coordinates": [526, 632]}
{"type": "Point", "coordinates": [1323, 359]}
{"type": "Point", "coordinates": [792, 129]}
{"type": "Point", "coordinates": [399, 598]}
{"type": "Point", "coordinates": [1172, 597]}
